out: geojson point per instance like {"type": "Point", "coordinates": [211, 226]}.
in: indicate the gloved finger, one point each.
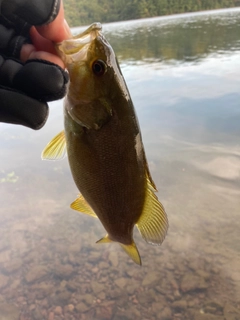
{"type": "Point", "coordinates": [42, 80]}
{"type": "Point", "coordinates": [34, 12]}
{"type": "Point", "coordinates": [16, 108]}
{"type": "Point", "coordinates": [39, 79]}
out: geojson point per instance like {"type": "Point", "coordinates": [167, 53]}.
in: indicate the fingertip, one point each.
{"type": "Point", "coordinates": [58, 30]}
{"type": "Point", "coordinates": [41, 55]}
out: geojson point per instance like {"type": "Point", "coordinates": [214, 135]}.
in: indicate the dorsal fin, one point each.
{"type": "Point", "coordinates": [153, 222]}
{"type": "Point", "coordinates": [80, 204]}
{"type": "Point", "coordinates": [148, 174]}
{"type": "Point", "coordinates": [56, 148]}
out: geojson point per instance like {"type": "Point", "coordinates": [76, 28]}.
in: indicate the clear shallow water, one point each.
{"type": "Point", "coordinates": [183, 75]}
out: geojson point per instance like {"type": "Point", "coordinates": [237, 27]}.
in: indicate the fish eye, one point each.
{"type": "Point", "coordinates": [99, 67]}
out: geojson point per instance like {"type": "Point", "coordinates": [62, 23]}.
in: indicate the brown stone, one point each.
{"type": "Point", "coordinates": [3, 281]}
{"type": "Point", "coordinates": [36, 273]}
{"type": "Point", "coordinates": [151, 278]}
{"type": "Point", "coordinates": [191, 282]}
{"type": "Point", "coordinates": [51, 316]}
{"type": "Point", "coordinates": [58, 310]}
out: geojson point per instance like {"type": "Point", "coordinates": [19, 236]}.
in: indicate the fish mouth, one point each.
{"type": "Point", "coordinates": [68, 48]}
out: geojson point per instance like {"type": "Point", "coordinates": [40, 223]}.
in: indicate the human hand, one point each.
{"type": "Point", "coordinates": [27, 85]}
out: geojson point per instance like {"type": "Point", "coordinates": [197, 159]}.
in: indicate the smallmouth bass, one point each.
{"type": "Point", "coordinates": [104, 145]}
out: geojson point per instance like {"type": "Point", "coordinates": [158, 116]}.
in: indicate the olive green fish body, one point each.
{"type": "Point", "coordinates": [109, 171]}
{"type": "Point", "coordinates": [104, 145]}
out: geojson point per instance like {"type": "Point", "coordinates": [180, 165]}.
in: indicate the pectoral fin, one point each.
{"type": "Point", "coordinates": [56, 148]}
{"type": "Point", "coordinates": [80, 204]}
{"type": "Point", "coordinates": [153, 223]}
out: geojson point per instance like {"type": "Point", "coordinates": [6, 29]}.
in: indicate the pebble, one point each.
{"type": "Point", "coordinates": [113, 258]}
{"type": "Point", "coordinates": [12, 266]}
{"type": "Point", "coordinates": [36, 273]}
{"type": "Point", "coordinates": [179, 305]}
{"type": "Point", "coordinates": [70, 308]}
{"type": "Point", "coordinates": [58, 310]}
{"type": "Point", "coordinates": [207, 316]}
{"type": "Point", "coordinates": [51, 316]}
{"type": "Point", "coordinates": [166, 314]}
{"type": "Point", "coordinates": [191, 282]}
{"type": "Point", "coordinates": [3, 281]}
{"type": "Point", "coordinates": [9, 312]}
{"type": "Point", "coordinates": [121, 282]}
{"type": "Point", "coordinates": [97, 287]}
{"type": "Point", "coordinates": [63, 271]}
{"type": "Point", "coordinates": [151, 278]}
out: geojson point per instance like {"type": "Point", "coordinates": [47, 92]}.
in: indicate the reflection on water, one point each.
{"type": "Point", "coordinates": [183, 74]}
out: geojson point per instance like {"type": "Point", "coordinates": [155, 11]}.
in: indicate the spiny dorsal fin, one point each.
{"type": "Point", "coordinates": [80, 204]}
{"type": "Point", "coordinates": [56, 148]}
{"type": "Point", "coordinates": [153, 223]}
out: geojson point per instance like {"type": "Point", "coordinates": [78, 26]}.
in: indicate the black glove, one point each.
{"type": "Point", "coordinates": [26, 88]}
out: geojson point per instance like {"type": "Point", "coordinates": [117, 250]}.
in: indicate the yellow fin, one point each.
{"type": "Point", "coordinates": [153, 223]}
{"type": "Point", "coordinates": [105, 239]}
{"type": "Point", "coordinates": [56, 148]}
{"type": "Point", "coordinates": [132, 251]}
{"type": "Point", "coordinates": [80, 204]}
{"type": "Point", "coordinates": [150, 181]}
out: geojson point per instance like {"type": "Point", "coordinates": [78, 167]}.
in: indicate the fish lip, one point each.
{"type": "Point", "coordinates": [93, 29]}
{"type": "Point", "coordinates": [76, 43]}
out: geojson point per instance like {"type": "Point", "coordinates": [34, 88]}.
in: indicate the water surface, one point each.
{"type": "Point", "coordinates": [183, 73]}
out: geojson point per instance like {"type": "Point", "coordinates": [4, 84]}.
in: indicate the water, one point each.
{"type": "Point", "coordinates": [183, 73]}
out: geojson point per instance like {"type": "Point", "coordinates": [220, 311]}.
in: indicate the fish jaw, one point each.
{"type": "Point", "coordinates": [75, 49]}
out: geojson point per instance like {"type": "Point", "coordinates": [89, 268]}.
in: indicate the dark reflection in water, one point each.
{"type": "Point", "coordinates": [183, 38]}
{"type": "Point", "coordinates": [183, 75]}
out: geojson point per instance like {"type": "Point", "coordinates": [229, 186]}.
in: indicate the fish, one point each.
{"type": "Point", "coordinates": [103, 142]}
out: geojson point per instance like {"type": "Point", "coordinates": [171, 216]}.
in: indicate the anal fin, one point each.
{"type": "Point", "coordinates": [80, 204]}
{"type": "Point", "coordinates": [105, 239]}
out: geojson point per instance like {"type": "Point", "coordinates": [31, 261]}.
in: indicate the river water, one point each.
{"type": "Point", "coordinates": [183, 73]}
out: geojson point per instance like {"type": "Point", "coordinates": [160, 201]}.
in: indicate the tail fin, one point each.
{"type": "Point", "coordinates": [130, 249]}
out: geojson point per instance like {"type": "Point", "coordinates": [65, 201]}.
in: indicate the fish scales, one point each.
{"type": "Point", "coordinates": [104, 145]}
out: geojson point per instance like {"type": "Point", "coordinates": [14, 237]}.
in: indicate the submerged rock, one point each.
{"type": "Point", "coordinates": [231, 313]}
{"type": "Point", "coordinates": [179, 305]}
{"type": "Point", "coordinates": [63, 271]}
{"type": "Point", "coordinates": [3, 282]}
{"type": "Point", "coordinates": [36, 273]}
{"type": "Point", "coordinates": [97, 287]}
{"type": "Point", "coordinates": [113, 258]}
{"type": "Point", "coordinates": [191, 282]}
{"type": "Point", "coordinates": [166, 314]}
{"type": "Point", "coordinates": [151, 278]}
{"type": "Point", "coordinates": [82, 307]}
{"type": "Point", "coordinates": [12, 266]}
{"type": "Point", "coordinates": [9, 312]}
{"type": "Point", "coordinates": [206, 316]}
{"type": "Point", "coordinates": [61, 298]}
{"type": "Point", "coordinates": [121, 282]}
